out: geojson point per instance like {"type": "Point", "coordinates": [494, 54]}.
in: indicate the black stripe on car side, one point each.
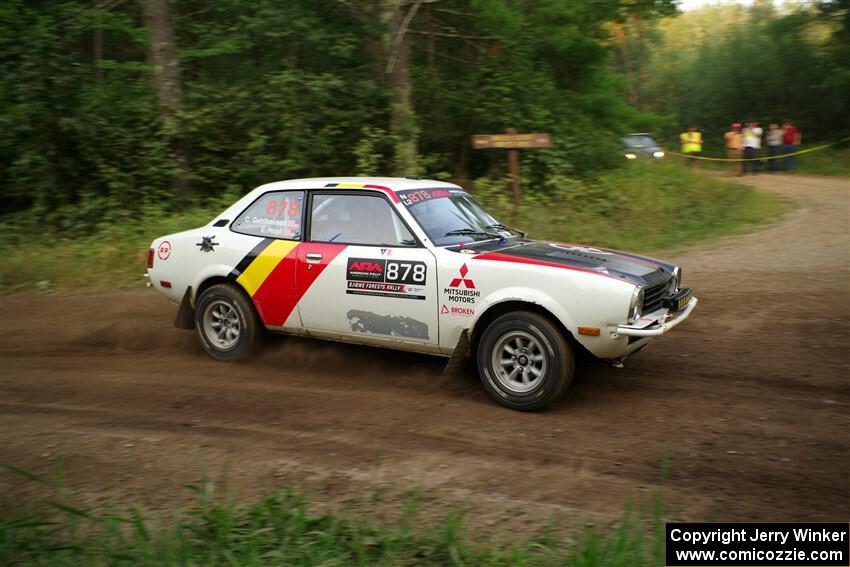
{"type": "Point", "coordinates": [249, 257]}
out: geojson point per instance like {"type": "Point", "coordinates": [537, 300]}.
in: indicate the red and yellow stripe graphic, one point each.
{"type": "Point", "coordinates": [263, 265]}
{"type": "Point", "coordinates": [276, 276]}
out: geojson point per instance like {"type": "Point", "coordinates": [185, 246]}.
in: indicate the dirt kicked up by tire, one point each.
{"type": "Point", "coordinates": [746, 408]}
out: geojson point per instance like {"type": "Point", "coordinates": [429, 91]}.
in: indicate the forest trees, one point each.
{"type": "Point", "coordinates": [109, 105]}
{"type": "Point", "coordinates": [726, 63]}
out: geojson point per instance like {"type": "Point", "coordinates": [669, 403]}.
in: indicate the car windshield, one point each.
{"type": "Point", "coordinates": [451, 217]}
{"type": "Point", "coordinates": [639, 142]}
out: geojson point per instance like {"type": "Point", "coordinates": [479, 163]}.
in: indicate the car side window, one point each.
{"type": "Point", "coordinates": [276, 214]}
{"type": "Point", "coordinates": [357, 219]}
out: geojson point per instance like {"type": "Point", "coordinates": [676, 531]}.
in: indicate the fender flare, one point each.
{"type": "Point", "coordinates": [523, 295]}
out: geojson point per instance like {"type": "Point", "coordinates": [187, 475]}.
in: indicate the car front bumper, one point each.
{"type": "Point", "coordinates": [659, 328]}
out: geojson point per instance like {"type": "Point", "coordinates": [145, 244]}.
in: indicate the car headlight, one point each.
{"type": "Point", "coordinates": [631, 156]}
{"type": "Point", "coordinates": [636, 306]}
{"type": "Point", "coordinates": [658, 154]}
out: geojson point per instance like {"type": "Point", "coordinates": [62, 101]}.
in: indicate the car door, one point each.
{"type": "Point", "coordinates": [368, 279]}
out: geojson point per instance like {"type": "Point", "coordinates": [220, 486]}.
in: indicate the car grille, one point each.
{"type": "Point", "coordinates": [652, 297]}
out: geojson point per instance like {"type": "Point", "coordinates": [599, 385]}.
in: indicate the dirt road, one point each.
{"type": "Point", "coordinates": [747, 404]}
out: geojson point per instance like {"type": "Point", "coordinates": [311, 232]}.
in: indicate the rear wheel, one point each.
{"type": "Point", "coordinates": [524, 361]}
{"type": "Point", "coordinates": [226, 323]}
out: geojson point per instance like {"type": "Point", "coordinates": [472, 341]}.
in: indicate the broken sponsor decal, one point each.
{"type": "Point", "coordinates": [163, 251]}
{"type": "Point", "coordinates": [455, 310]}
{"type": "Point", "coordinates": [386, 278]}
{"type": "Point", "coordinates": [462, 289]}
{"type": "Point", "coordinates": [391, 325]}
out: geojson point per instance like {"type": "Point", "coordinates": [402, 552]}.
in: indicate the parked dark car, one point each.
{"type": "Point", "coordinates": [641, 146]}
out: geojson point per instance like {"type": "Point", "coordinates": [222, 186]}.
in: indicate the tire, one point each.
{"type": "Point", "coordinates": [513, 382]}
{"type": "Point", "coordinates": [226, 308]}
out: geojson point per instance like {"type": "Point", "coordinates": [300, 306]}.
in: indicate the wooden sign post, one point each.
{"type": "Point", "coordinates": [512, 142]}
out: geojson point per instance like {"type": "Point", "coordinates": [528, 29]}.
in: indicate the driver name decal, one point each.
{"type": "Point", "coordinates": [386, 278]}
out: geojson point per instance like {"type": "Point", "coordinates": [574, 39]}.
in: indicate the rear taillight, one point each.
{"type": "Point", "coordinates": [150, 258]}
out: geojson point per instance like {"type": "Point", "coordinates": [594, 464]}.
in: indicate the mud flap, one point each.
{"type": "Point", "coordinates": [186, 314]}
{"type": "Point", "coordinates": [456, 361]}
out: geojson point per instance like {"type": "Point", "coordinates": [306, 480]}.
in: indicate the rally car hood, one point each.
{"type": "Point", "coordinates": [633, 268]}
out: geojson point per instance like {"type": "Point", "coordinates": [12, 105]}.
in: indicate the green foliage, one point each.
{"type": "Point", "coordinates": [281, 530]}
{"type": "Point", "coordinates": [279, 90]}
{"type": "Point", "coordinates": [729, 63]}
{"type": "Point", "coordinates": [833, 161]}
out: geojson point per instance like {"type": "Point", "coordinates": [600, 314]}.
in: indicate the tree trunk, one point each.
{"type": "Point", "coordinates": [622, 41]}
{"type": "Point", "coordinates": [163, 52]}
{"type": "Point", "coordinates": [169, 88]}
{"type": "Point", "coordinates": [97, 53]}
{"type": "Point", "coordinates": [398, 14]}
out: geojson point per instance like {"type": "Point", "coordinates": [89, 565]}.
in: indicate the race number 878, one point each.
{"type": "Point", "coordinates": [406, 272]}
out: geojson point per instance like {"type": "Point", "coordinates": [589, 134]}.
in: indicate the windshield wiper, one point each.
{"type": "Point", "coordinates": [500, 226]}
{"type": "Point", "coordinates": [470, 232]}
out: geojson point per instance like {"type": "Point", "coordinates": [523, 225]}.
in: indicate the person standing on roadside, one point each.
{"type": "Point", "coordinates": [774, 146]}
{"type": "Point", "coordinates": [691, 142]}
{"type": "Point", "coordinates": [791, 139]}
{"type": "Point", "coordinates": [734, 145]}
{"type": "Point", "coordinates": [752, 145]}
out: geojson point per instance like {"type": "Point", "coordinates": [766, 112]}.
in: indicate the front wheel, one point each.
{"type": "Point", "coordinates": [226, 323]}
{"type": "Point", "coordinates": [524, 361]}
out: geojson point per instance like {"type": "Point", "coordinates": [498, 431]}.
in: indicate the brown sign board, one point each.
{"type": "Point", "coordinates": [511, 141]}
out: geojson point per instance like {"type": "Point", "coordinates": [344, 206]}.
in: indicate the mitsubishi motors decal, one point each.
{"type": "Point", "coordinates": [386, 278]}
{"type": "Point", "coordinates": [462, 289]}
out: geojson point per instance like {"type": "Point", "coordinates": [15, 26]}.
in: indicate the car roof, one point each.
{"type": "Point", "coordinates": [392, 184]}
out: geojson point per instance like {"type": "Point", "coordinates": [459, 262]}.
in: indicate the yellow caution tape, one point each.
{"type": "Point", "coordinates": [780, 156]}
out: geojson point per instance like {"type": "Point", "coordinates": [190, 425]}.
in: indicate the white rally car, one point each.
{"type": "Point", "coordinates": [414, 265]}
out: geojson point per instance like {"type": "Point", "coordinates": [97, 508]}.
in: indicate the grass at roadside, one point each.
{"type": "Point", "coordinates": [644, 207]}
{"type": "Point", "coordinates": [280, 530]}
{"type": "Point", "coordinates": [831, 161]}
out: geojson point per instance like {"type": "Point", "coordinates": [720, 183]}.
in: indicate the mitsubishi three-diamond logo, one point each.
{"type": "Point", "coordinates": [462, 290]}
{"type": "Point", "coordinates": [467, 283]}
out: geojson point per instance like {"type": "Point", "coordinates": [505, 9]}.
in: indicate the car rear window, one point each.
{"type": "Point", "coordinates": [277, 214]}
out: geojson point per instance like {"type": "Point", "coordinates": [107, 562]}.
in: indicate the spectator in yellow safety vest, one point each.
{"type": "Point", "coordinates": [691, 142]}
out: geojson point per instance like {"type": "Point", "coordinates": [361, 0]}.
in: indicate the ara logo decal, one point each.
{"type": "Point", "coordinates": [366, 266]}
{"type": "Point", "coordinates": [164, 250]}
{"type": "Point", "coordinates": [463, 280]}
